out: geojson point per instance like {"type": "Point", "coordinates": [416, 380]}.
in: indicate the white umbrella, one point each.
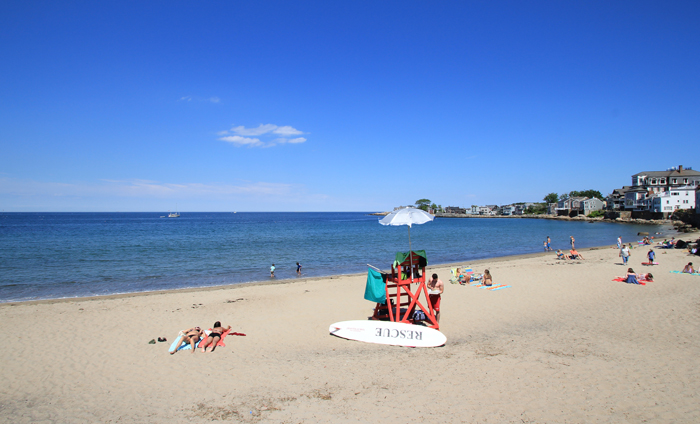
{"type": "Point", "coordinates": [407, 216]}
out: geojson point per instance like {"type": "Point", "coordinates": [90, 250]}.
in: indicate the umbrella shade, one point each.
{"type": "Point", "coordinates": [407, 216]}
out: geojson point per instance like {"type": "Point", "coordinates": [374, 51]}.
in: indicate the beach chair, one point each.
{"type": "Point", "coordinates": [455, 278]}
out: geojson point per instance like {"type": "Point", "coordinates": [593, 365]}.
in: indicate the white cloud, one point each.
{"type": "Point", "coordinates": [287, 131]}
{"type": "Point", "coordinates": [242, 141]}
{"type": "Point", "coordinates": [265, 131]}
{"type": "Point", "coordinates": [213, 99]}
{"type": "Point", "coordinates": [260, 130]}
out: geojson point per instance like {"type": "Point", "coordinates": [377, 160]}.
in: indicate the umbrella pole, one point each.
{"type": "Point", "coordinates": [410, 254]}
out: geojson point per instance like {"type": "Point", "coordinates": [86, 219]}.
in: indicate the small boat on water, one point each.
{"type": "Point", "coordinates": [174, 214]}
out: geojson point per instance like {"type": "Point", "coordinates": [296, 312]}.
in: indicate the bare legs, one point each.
{"type": "Point", "coordinates": [210, 341]}
{"type": "Point", "coordinates": [184, 339]}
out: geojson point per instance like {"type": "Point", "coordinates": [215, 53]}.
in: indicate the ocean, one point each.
{"type": "Point", "coordinates": [63, 255]}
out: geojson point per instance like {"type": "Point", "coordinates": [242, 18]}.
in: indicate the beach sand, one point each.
{"type": "Point", "coordinates": [564, 344]}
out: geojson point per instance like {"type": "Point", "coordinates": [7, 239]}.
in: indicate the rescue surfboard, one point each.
{"type": "Point", "coordinates": [387, 332]}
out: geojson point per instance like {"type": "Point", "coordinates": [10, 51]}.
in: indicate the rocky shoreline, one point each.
{"type": "Point", "coordinates": [678, 225]}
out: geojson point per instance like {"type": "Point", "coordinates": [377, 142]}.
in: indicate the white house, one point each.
{"type": "Point", "coordinates": [669, 201]}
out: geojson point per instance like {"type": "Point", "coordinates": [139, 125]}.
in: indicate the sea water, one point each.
{"type": "Point", "coordinates": [57, 255]}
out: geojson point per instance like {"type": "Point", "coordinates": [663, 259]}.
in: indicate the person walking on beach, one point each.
{"type": "Point", "coordinates": [298, 268]}
{"type": "Point", "coordinates": [272, 270]}
{"type": "Point", "coordinates": [624, 254]}
{"type": "Point", "coordinates": [651, 255]}
{"type": "Point", "coordinates": [549, 244]}
{"type": "Point", "coordinates": [435, 290]}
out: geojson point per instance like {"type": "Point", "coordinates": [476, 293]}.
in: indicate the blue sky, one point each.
{"type": "Point", "coordinates": [339, 106]}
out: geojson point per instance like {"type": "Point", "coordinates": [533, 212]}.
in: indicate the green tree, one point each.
{"type": "Point", "coordinates": [537, 209]}
{"type": "Point", "coordinates": [551, 198]}
{"type": "Point", "coordinates": [423, 204]}
{"type": "Point", "coordinates": [587, 193]}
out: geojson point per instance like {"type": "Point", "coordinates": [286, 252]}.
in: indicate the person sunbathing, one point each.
{"type": "Point", "coordinates": [488, 280]}
{"type": "Point", "coordinates": [561, 255]}
{"type": "Point", "coordinates": [689, 268]}
{"type": "Point", "coordinates": [213, 338]}
{"type": "Point", "coordinates": [575, 254]}
{"type": "Point", "coordinates": [631, 277]}
{"type": "Point", "coordinates": [190, 336]}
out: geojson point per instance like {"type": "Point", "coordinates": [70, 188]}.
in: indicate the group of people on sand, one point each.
{"type": "Point", "coordinates": [195, 334]}
{"type": "Point", "coordinates": [464, 278]}
{"type": "Point", "coordinates": [573, 254]}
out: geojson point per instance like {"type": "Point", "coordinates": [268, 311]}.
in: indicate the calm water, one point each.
{"type": "Point", "coordinates": [55, 255]}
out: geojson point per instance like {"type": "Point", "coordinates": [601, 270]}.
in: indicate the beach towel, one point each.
{"type": "Point", "coordinates": [624, 280]}
{"type": "Point", "coordinates": [681, 272]}
{"type": "Point", "coordinates": [494, 287]}
{"type": "Point", "coordinates": [498, 288]}
{"type": "Point", "coordinates": [221, 340]}
{"type": "Point", "coordinates": [185, 346]}
{"type": "Point", "coordinates": [375, 289]}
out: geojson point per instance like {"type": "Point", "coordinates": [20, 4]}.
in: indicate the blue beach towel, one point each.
{"type": "Point", "coordinates": [680, 272]}
{"type": "Point", "coordinates": [186, 346]}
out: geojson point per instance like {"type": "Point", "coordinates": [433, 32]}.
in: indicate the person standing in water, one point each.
{"type": "Point", "coordinates": [298, 268]}
{"type": "Point", "coordinates": [549, 244]}
{"type": "Point", "coordinates": [272, 270]}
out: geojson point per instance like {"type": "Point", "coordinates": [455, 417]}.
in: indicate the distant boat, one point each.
{"type": "Point", "coordinates": [174, 214]}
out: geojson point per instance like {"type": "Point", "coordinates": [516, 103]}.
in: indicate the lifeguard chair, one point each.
{"type": "Point", "coordinates": [402, 302]}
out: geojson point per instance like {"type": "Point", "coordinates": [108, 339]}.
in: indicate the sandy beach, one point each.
{"type": "Point", "coordinates": [564, 344]}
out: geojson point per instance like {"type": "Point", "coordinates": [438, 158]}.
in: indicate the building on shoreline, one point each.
{"type": "Point", "coordinates": [658, 192]}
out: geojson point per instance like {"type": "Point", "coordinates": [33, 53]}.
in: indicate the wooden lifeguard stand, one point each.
{"type": "Point", "coordinates": [402, 301]}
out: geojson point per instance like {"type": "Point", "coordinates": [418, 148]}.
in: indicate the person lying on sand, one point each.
{"type": "Point", "coordinates": [639, 277]}
{"type": "Point", "coordinates": [561, 255]}
{"type": "Point", "coordinates": [213, 338]}
{"type": "Point", "coordinates": [689, 268]}
{"type": "Point", "coordinates": [632, 278]}
{"type": "Point", "coordinates": [190, 336]}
